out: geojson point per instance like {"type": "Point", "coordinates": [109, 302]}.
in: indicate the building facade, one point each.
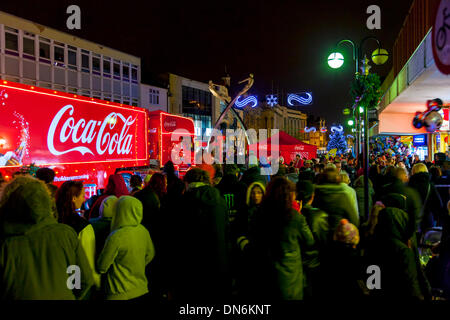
{"type": "Point", "coordinates": [37, 55]}
{"type": "Point", "coordinates": [317, 138]}
{"type": "Point", "coordinates": [289, 120]}
{"type": "Point", "coordinates": [191, 98]}
{"type": "Point", "coordinates": [153, 98]}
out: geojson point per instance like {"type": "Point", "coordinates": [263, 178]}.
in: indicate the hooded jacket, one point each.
{"type": "Point", "coordinates": [116, 187]}
{"type": "Point", "coordinates": [245, 221]}
{"type": "Point", "coordinates": [35, 250]}
{"type": "Point", "coordinates": [127, 251]}
{"type": "Point", "coordinates": [102, 224]}
{"type": "Point", "coordinates": [337, 202]}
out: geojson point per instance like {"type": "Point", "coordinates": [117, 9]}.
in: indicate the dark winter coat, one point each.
{"type": "Point", "coordinates": [359, 188]}
{"type": "Point", "coordinates": [432, 207]}
{"type": "Point", "coordinates": [278, 249]}
{"type": "Point", "coordinates": [334, 200]}
{"type": "Point", "coordinates": [413, 203]}
{"type": "Point", "coordinates": [201, 252]}
{"type": "Point", "coordinates": [397, 261]}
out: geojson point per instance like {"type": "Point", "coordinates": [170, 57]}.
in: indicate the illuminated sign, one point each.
{"type": "Point", "coordinates": [303, 99]}
{"type": "Point", "coordinates": [250, 99]}
{"type": "Point", "coordinates": [420, 140]}
{"type": "Point", "coordinates": [45, 127]}
{"type": "Point", "coordinates": [311, 129]}
{"type": "Point", "coordinates": [272, 100]}
{"type": "Point", "coordinates": [444, 112]}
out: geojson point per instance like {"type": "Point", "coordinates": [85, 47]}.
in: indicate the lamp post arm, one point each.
{"type": "Point", "coordinates": [364, 41]}
{"type": "Point", "coordinates": [355, 51]}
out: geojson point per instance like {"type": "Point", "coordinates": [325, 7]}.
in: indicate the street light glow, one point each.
{"type": "Point", "coordinates": [361, 109]}
{"type": "Point", "coordinates": [335, 60]}
{"type": "Point", "coordinates": [350, 122]}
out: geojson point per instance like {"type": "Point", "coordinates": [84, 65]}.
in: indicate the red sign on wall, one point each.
{"type": "Point", "coordinates": [441, 37]}
{"type": "Point", "coordinates": [45, 127]}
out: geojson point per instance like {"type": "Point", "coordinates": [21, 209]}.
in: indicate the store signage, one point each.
{"type": "Point", "coordinates": [441, 37]}
{"type": "Point", "coordinates": [420, 140]}
{"type": "Point", "coordinates": [444, 112]}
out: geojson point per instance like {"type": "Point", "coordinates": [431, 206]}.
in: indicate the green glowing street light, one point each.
{"type": "Point", "coordinates": [361, 109]}
{"type": "Point", "coordinates": [350, 123]}
{"type": "Point", "coordinates": [335, 60]}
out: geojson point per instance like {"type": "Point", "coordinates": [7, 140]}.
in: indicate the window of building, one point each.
{"type": "Point", "coordinates": [58, 55]}
{"type": "Point", "coordinates": [134, 74]}
{"type": "Point", "coordinates": [28, 45]}
{"type": "Point", "coordinates": [125, 72]}
{"type": "Point", "coordinates": [116, 71]}
{"type": "Point", "coordinates": [85, 61]}
{"type": "Point", "coordinates": [96, 64]}
{"type": "Point", "coordinates": [11, 39]}
{"type": "Point", "coordinates": [106, 66]}
{"type": "Point", "coordinates": [126, 101]}
{"type": "Point", "coordinates": [134, 103]}
{"type": "Point", "coordinates": [196, 101]}
{"type": "Point", "coordinates": [154, 96]}
{"type": "Point", "coordinates": [72, 57]}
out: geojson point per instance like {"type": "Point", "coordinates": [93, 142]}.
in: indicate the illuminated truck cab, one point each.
{"type": "Point", "coordinates": [164, 134]}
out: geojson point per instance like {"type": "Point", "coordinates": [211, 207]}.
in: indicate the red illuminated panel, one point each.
{"type": "Point", "coordinates": [43, 127]}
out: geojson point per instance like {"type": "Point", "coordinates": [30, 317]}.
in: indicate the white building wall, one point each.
{"type": "Point", "coordinates": [153, 98]}
{"type": "Point", "coordinates": [37, 55]}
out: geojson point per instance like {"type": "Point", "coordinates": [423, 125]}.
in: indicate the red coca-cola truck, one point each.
{"type": "Point", "coordinates": [81, 138]}
{"type": "Point", "coordinates": [166, 134]}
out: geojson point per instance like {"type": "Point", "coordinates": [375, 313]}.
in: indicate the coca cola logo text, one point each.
{"type": "Point", "coordinates": [85, 132]}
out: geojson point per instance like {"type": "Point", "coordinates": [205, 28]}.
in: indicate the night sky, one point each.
{"type": "Point", "coordinates": [281, 42]}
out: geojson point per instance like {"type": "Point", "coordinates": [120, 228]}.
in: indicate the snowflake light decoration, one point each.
{"type": "Point", "coordinates": [272, 100]}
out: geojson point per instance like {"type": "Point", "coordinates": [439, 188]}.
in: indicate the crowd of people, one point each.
{"type": "Point", "coordinates": [229, 231]}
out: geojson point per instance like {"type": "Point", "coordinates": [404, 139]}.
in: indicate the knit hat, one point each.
{"type": "Point", "coordinates": [346, 233]}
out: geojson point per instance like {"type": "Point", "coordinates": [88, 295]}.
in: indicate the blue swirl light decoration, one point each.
{"type": "Point", "coordinates": [301, 100]}
{"type": "Point", "coordinates": [349, 136]}
{"type": "Point", "coordinates": [311, 129]}
{"type": "Point", "coordinates": [246, 101]}
{"type": "Point", "coordinates": [338, 129]}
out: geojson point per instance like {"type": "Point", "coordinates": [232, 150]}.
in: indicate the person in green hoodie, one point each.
{"type": "Point", "coordinates": [36, 251]}
{"type": "Point", "coordinates": [127, 251]}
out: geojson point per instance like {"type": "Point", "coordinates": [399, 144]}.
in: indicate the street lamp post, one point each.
{"type": "Point", "coordinates": [336, 60]}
